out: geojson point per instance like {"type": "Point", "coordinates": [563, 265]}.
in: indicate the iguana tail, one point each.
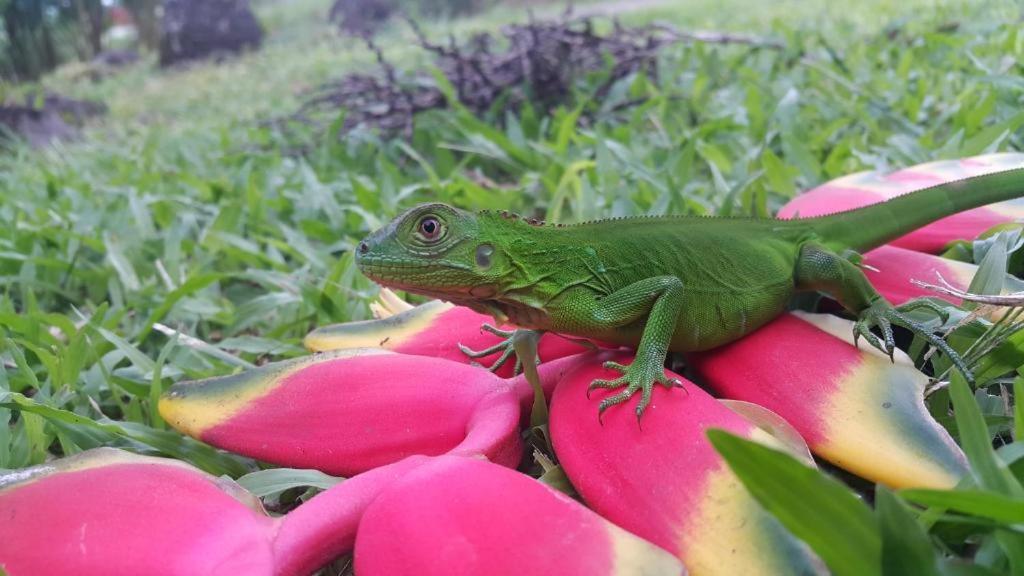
{"type": "Point", "coordinates": [872, 226]}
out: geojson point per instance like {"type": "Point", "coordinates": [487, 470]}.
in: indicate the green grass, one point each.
{"type": "Point", "coordinates": [175, 240]}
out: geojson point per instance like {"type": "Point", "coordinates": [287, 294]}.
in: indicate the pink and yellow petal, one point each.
{"type": "Point", "coordinates": [892, 271]}
{"type": "Point", "coordinates": [457, 516]}
{"type": "Point", "coordinates": [662, 480]}
{"type": "Point", "coordinates": [326, 526]}
{"type": "Point", "coordinates": [109, 512]}
{"type": "Point", "coordinates": [112, 513]}
{"type": "Point", "coordinates": [432, 329]}
{"type": "Point", "coordinates": [404, 328]}
{"type": "Point", "coordinates": [854, 408]}
{"type": "Point", "coordinates": [348, 411]}
{"type": "Point", "coordinates": [866, 188]}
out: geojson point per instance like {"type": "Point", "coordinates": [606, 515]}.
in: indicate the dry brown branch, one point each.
{"type": "Point", "coordinates": [542, 62]}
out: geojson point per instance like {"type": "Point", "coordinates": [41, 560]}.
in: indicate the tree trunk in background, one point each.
{"type": "Point", "coordinates": [30, 44]}
{"type": "Point", "coordinates": [94, 9]}
{"type": "Point", "coordinates": [35, 30]}
{"type": "Point", "coordinates": [49, 50]}
{"type": "Point", "coordinates": [144, 12]}
{"type": "Point", "coordinates": [90, 21]}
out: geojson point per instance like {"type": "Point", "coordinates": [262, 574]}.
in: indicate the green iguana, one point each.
{"type": "Point", "coordinates": [680, 283]}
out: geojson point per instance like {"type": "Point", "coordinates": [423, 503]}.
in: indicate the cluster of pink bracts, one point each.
{"type": "Point", "coordinates": [430, 443]}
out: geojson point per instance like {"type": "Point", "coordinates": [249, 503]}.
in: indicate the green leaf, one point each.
{"type": "Point", "coordinates": [987, 137]}
{"type": "Point", "coordinates": [156, 384]}
{"type": "Point", "coordinates": [780, 176]}
{"type": "Point", "coordinates": [1018, 409]}
{"type": "Point", "coordinates": [906, 548]}
{"type": "Point", "coordinates": [264, 483]}
{"type": "Point", "coordinates": [990, 505]}
{"type": "Point", "coordinates": [137, 358]}
{"type": "Point", "coordinates": [989, 469]}
{"type": "Point", "coordinates": [1012, 544]}
{"type": "Point", "coordinates": [120, 262]}
{"type": "Point", "coordinates": [566, 130]}
{"type": "Point", "coordinates": [991, 274]}
{"type": "Point", "coordinates": [411, 152]}
{"type": "Point", "coordinates": [815, 508]}
{"type": "Point", "coordinates": [106, 431]}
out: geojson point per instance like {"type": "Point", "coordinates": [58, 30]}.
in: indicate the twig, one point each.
{"type": "Point", "coordinates": [1011, 300]}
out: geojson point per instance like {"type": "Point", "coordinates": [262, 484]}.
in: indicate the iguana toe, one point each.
{"type": "Point", "coordinates": [883, 315]}
{"type": "Point", "coordinates": [635, 378]}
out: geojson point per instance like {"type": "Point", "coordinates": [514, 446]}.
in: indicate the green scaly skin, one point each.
{"type": "Point", "coordinates": [677, 283]}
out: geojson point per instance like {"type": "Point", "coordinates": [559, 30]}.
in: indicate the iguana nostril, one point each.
{"type": "Point", "coordinates": [364, 247]}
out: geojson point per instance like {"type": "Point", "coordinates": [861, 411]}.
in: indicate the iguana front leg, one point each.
{"type": "Point", "coordinates": [820, 269]}
{"type": "Point", "coordinates": [659, 300]}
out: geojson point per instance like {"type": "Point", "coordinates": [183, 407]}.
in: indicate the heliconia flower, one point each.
{"type": "Point", "coordinates": [459, 516]}
{"type": "Point", "coordinates": [661, 479]}
{"type": "Point", "coordinates": [865, 188]}
{"type": "Point", "coordinates": [345, 412]}
{"type": "Point", "coordinates": [435, 329]}
{"type": "Point", "coordinates": [109, 512]}
{"type": "Point", "coordinates": [348, 411]}
{"type": "Point", "coordinates": [852, 406]}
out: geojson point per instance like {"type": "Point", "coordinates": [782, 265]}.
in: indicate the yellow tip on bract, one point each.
{"type": "Point", "coordinates": [880, 429]}
{"type": "Point", "coordinates": [104, 456]}
{"type": "Point", "coordinates": [194, 407]}
{"type": "Point", "coordinates": [387, 332]}
{"type": "Point", "coordinates": [95, 458]}
{"type": "Point", "coordinates": [732, 534]}
{"type": "Point", "coordinates": [877, 423]}
{"type": "Point", "coordinates": [633, 556]}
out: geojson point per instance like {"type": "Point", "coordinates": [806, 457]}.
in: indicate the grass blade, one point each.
{"type": "Point", "coordinates": [990, 471]}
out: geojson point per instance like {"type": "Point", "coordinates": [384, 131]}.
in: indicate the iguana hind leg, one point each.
{"type": "Point", "coordinates": [820, 269]}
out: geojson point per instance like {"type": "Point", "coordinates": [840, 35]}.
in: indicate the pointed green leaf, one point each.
{"type": "Point", "coordinates": [267, 482]}
{"type": "Point", "coordinates": [990, 470]}
{"type": "Point", "coordinates": [815, 508]}
{"type": "Point", "coordinates": [906, 548]}
{"type": "Point", "coordinates": [991, 505]}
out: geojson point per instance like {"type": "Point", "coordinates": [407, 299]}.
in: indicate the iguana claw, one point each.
{"type": "Point", "coordinates": [884, 315]}
{"type": "Point", "coordinates": [506, 347]}
{"type": "Point", "coordinates": [637, 377]}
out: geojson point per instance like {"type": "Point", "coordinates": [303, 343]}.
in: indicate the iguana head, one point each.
{"type": "Point", "coordinates": [436, 250]}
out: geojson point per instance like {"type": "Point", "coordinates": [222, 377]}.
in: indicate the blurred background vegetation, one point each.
{"type": "Point", "coordinates": [189, 232]}
{"type": "Point", "coordinates": [39, 35]}
{"type": "Point", "coordinates": [201, 226]}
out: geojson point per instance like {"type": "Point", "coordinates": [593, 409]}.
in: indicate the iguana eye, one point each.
{"type": "Point", "coordinates": [430, 228]}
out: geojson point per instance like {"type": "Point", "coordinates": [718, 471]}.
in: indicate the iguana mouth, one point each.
{"type": "Point", "coordinates": [389, 269]}
{"type": "Point", "coordinates": [410, 275]}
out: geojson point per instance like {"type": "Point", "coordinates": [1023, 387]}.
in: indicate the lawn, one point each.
{"type": "Point", "coordinates": [182, 237]}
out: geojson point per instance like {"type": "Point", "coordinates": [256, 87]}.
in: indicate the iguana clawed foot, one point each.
{"type": "Point", "coordinates": [506, 347]}
{"type": "Point", "coordinates": [884, 315]}
{"type": "Point", "coordinates": [639, 376]}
